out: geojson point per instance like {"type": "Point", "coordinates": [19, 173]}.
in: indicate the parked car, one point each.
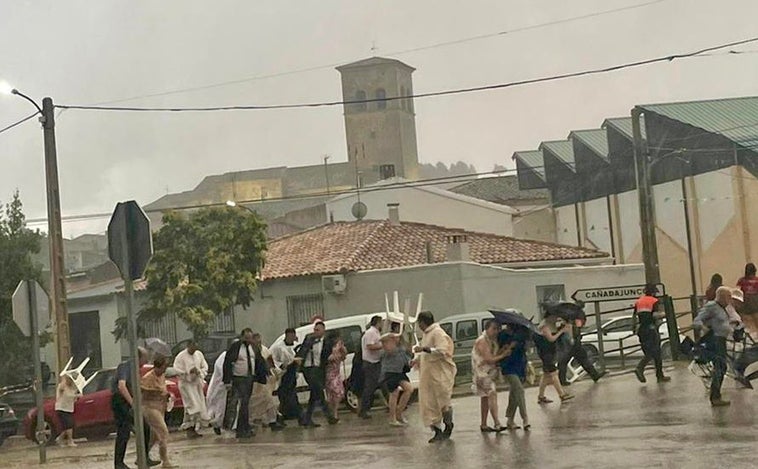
{"type": "Point", "coordinates": [618, 334]}
{"type": "Point", "coordinates": [464, 330]}
{"type": "Point", "coordinates": [93, 417]}
{"type": "Point", "coordinates": [8, 422]}
{"type": "Point", "coordinates": [351, 330]}
{"type": "Point", "coordinates": [212, 346]}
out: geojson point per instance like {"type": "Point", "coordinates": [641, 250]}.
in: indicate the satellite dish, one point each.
{"type": "Point", "coordinates": [359, 210]}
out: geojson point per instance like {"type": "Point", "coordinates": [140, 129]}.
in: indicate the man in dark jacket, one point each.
{"type": "Point", "coordinates": [574, 349]}
{"type": "Point", "coordinates": [313, 354]}
{"type": "Point", "coordinates": [239, 374]}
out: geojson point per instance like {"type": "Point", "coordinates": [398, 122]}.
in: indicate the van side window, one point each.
{"type": "Point", "coordinates": [448, 328]}
{"type": "Point", "coordinates": [351, 335]}
{"type": "Point", "coordinates": [466, 330]}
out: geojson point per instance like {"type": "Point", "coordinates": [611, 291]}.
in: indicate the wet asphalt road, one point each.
{"type": "Point", "coordinates": [615, 423]}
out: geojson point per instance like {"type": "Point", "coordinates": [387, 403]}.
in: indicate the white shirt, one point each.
{"type": "Point", "coordinates": [65, 398]}
{"type": "Point", "coordinates": [371, 337]}
{"type": "Point", "coordinates": [283, 354]}
{"type": "Point", "coordinates": [314, 358]}
{"type": "Point", "coordinates": [240, 367]}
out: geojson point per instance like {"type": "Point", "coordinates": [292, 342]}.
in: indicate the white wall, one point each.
{"type": "Point", "coordinates": [715, 203]}
{"type": "Point", "coordinates": [565, 225]}
{"type": "Point", "coordinates": [596, 225]}
{"type": "Point", "coordinates": [423, 206]}
{"type": "Point", "coordinates": [449, 288]}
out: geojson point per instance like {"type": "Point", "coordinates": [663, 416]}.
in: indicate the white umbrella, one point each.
{"type": "Point", "coordinates": [158, 346]}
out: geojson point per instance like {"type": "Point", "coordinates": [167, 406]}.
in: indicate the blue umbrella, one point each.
{"type": "Point", "coordinates": [512, 317]}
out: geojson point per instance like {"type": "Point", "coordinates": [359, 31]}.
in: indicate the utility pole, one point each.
{"type": "Point", "coordinates": [647, 208]}
{"type": "Point", "coordinates": [326, 173]}
{"type": "Point", "coordinates": [55, 235]}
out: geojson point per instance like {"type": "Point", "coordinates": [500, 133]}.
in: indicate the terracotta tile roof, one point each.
{"type": "Point", "coordinates": [343, 247]}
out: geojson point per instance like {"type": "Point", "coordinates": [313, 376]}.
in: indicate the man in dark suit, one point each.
{"type": "Point", "coordinates": [239, 375]}
{"type": "Point", "coordinates": [314, 358]}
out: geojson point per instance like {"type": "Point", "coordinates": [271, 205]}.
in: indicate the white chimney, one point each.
{"type": "Point", "coordinates": [394, 214]}
{"type": "Point", "coordinates": [458, 248]}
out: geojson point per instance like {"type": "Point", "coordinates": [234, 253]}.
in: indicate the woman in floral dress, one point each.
{"type": "Point", "coordinates": [335, 387]}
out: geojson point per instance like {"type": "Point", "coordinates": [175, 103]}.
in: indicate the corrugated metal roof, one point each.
{"type": "Point", "coordinates": [735, 118]}
{"type": "Point", "coordinates": [533, 159]}
{"type": "Point", "coordinates": [563, 149]}
{"type": "Point", "coordinates": [596, 140]}
{"type": "Point", "coordinates": [624, 125]}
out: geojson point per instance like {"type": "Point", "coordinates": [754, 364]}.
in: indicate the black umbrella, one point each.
{"type": "Point", "coordinates": [512, 318]}
{"type": "Point", "coordinates": [566, 310]}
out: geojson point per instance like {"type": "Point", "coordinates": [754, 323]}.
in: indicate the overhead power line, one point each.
{"type": "Point", "coordinates": [463, 178]}
{"type": "Point", "coordinates": [595, 71]}
{"type": "Point", "coordinates": [392, 53]}
{"type": "Point", "coordinates": [17, 123]}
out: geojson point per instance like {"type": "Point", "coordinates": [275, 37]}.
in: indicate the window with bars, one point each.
{"type": "Point", "coordinates": [224, 322]}
{"type": "Point", "coordinates": [549, 294]}
{"type": "Point", "coordinates": [164, 328]}
{"type": "Point", "coordinates": [302, 308]}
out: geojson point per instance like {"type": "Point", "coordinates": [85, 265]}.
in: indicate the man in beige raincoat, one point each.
{"type": "Point", "coordinates": [437, 377]}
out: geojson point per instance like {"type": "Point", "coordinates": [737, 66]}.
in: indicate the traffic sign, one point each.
{"type": "Point", "coordinates": [130, 247]}
{"type": "Point", "coordinates": [629, 292]}
{"type": "Point", "coordinates": [130, 242]}
{"type": "Point", "coordinates": [22, 307]}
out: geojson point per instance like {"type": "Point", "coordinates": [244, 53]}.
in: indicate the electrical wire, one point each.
{"type": "Point", "coordinates": [595, 71]}
{"type": "Point", "coordinates": [17, 123]}
{"type": "Point", "coordinates": [463, 178]}
{"type": "Point", "coordinates": [394, 53]}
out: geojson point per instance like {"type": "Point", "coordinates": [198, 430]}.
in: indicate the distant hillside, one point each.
{"type": "Point", "coordinates": [441, 170]}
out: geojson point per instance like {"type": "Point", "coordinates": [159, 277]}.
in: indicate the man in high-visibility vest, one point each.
{"type": "Point", "coordinates": [646, 314]}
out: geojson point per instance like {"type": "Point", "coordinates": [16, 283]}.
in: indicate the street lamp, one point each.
{"type": "Point", "coordinates": [231, 203]}
{"type": "Point", "coordinates": [54, 230]}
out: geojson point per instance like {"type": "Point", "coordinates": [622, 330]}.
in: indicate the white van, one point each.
{"type": "Point", "coordinates": [464, 330]}
{"type": "Point", "coordinates": [351, 329]}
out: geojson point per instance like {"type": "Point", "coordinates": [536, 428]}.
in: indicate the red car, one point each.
{"type": "Point", "coordinates": [93, 417]}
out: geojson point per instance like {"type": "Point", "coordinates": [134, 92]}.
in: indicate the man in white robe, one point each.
{"type": "Point", "coordinates": [263, 405]}
{"type": "Point", "coordinates": [437, 372]}
{"type": "Point", "coordinates": [217, 394]}
{"type": "Point", "coordinates": [192, 369]}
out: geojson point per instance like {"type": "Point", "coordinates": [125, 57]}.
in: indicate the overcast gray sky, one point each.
{"type": "Point", "coordinates": [85, 52]}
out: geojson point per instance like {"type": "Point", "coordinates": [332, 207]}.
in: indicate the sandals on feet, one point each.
{"type": "Point", "coordinates": [566, 397]}
{"type": "Point", "coordinates": [487, 430]}
{"type": "Point", "coordinates": [543, 400]}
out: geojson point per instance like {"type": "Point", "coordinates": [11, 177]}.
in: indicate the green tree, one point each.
{"type": "Point", "coordinates": [204, 264]}
{"type": "Point", "coordinates": [17, 245]}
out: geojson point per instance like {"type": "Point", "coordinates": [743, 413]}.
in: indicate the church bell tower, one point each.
{"type": "Point", "coordinates": [381, 134]}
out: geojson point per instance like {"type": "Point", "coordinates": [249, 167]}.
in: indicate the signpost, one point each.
{"type": "Point", "coordinates": [130, 247]}
{"type": "Point", "coordinates": [604, 294]}
{"type": "Point", "coordinates": [631, 292]}
{"type": "Point", "coordinates": [31, 307]}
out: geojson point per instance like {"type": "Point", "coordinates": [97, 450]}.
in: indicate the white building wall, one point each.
{"type": "Point", "coordinates": [629, 225]}
{"type": "Point", "coordinates": [421, 206]}
{"type": "Point", "coordinates": [565, 223]}
{"type": "Point", "coordinates": [596, 225]}
{"type": "Point", "coordinates": [449, 288]}
{"type": "Point", "coordinates": [670, 212]}
{"type": "Point", "coordinates": [715, 204]}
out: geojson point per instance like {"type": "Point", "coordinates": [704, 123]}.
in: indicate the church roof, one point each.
{"type": "Point", "coordinates": [374, 61]}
